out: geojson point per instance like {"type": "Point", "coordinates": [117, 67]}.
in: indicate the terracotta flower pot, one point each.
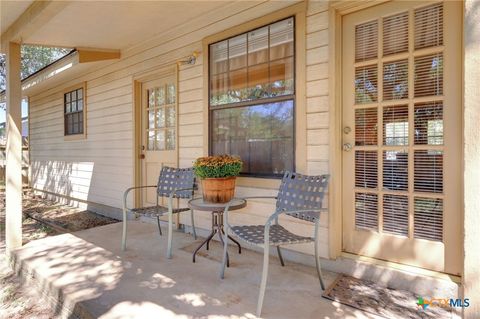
{"type": "Point", "coordinates": [218, 190]}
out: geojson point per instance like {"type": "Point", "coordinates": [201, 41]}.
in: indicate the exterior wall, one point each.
{"type": "Point", "coordinates": [99, 168]}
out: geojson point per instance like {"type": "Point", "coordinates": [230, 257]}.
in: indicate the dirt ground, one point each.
{"type": "Point", "coordinates": [16, 300]}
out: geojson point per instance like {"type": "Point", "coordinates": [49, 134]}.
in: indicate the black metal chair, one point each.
{"type": "Point", "coordinates": [299, 196]}
{"type": "Point", "coordinates": [172, 183]}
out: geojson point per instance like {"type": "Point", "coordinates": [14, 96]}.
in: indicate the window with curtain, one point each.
{"type": "Point", "coordinates": [73, 111]}
{"type": "Point", "coordinates": [252, 98]}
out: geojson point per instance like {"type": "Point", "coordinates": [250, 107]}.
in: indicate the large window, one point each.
{"type": "Point", "coordinates": [252, 98]}
{"type": "Point", "coordinates": [74, 104]}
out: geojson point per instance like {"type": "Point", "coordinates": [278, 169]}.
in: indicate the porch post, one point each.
{"type": "Point", "coordinates": [13, 171]}
{"type": "Point", "coordinates": [471, 175]}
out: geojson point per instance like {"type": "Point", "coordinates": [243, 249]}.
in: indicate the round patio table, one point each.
{"type": "Point", "coordinates": [217, 210]}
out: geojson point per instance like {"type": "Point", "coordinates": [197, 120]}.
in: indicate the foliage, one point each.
{"type": "Point", "coordinates": [33, 59]}
{"type": "Point", "coordinates": [217, 166]}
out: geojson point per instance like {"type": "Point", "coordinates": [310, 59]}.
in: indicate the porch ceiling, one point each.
{"type": "Point", "coordinates": [99, 24]}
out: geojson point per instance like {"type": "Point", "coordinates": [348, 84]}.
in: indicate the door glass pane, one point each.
{"type": "Point", "coordinates": [395, 80]}
{"type": "Point", "coordinates": [170, 93]}
{"type": "Point", "coordinates": [366, 84]}
{"type": "Point", "coordinates": [395, 125]}
{"type": "Point", "coordinates": [395, 170]}
{"type": "Point", "coordinates": [429, 75]}
{"type": "Point", "coordinates": [170, 139]}
{"type": "Point", "coordinates": [151, 98]}
{"type": "Point", "coordinates": [160, 140]}
{"type": "Point", "coordinates": [170, 116]}
{"type": "Point", "coordinates": [160, 96]}
{"type": "Point", "coordinates": [428, 166]}
{"type": "Point", "coordinates": [366, 126]}
{"type": "Point", "coordinates": [151, 118]}
{"type": "Point", "coordinates": [366, 211]}
{"type": "Point", "coordinates": [395, 214]}
{"type": "Point", "coordinates": [429, 123]}
{"type": "Point", "coordinates": [428, 218]}
{"type": "Point", "coordinates": [429, 26]}
{"type": "Point", "coordinates": [366, 164]}
{"type": "Point", "coordinates": [366, 41]}
{"type": "Point", "coordinates": [395, 34]}
{"type": "Point", "coordinates": [151, 140]}
{"type": "Point", "coordinates": [160, 117]}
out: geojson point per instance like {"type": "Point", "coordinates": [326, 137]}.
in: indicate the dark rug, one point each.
{"type": "Point", "coordinates": [389, 303]}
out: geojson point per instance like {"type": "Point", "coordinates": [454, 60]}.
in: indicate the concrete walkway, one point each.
{"type": "Point", "coordinates": [87, 275]}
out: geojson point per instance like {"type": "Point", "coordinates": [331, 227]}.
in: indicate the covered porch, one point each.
{"type": "Point", "coordinates": [86, 274]}
{"type": "Point", "coordinates": [114, 60]}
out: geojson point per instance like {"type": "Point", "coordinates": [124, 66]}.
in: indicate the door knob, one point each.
{"type": "Point", "coordinates": [142, 156]}
{"type": "Point", "coordinates": [347, 147]}
{"type": "Point", "coordinates": [347, 129]}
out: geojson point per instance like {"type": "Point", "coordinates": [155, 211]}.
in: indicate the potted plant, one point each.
{"type": "Point", "coordinates": [218, 174]}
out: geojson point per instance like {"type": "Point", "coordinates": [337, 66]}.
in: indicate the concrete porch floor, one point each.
{"type": "Point", "coordinates": [85, 274]}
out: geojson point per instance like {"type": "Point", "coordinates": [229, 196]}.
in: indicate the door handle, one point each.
{"type": "Point", "coordinates": [347, 147]}
{"type": "Point", "coordinates": [142, 156]}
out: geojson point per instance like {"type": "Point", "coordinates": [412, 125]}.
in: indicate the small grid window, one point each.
{"type": "Point", "coordinates": [74, 104]}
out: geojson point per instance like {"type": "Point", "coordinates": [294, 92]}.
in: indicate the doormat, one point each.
{"type": "Point", "coordinates": [386, 302]}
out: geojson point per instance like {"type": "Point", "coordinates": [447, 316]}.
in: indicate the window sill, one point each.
{"type": "Point", "coordinates": [75, 137]}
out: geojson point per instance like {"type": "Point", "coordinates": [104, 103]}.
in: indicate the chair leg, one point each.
{"type": "Point", "coordinates": [317, 260]}
{"type": "Point", "coordinates": [225, 253]}
{"type": "Point", "coordinates": [170, 234]}
{"type": "Point", "coordinates": [158, 223]}
{"type": "Point", "coordinates": [280, 256]}
{"type": "Point", "coordinates": [263, 283]}
{"type": "Point", "coordinates": [193, 225]}
{"type": "Point", "coordinates": [124, 230]}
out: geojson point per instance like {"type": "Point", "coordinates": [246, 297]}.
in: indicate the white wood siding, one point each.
{"type": "Point", "coordinates": [100, 167]}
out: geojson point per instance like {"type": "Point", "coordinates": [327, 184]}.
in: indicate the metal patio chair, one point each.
{"type": "Point", "coordinates": [299, 196]}
{"type": "Point", "coordinates": [172, 183]}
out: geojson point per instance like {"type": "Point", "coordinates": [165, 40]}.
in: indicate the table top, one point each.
{"type": "Point", "coordinates": [199, 204]}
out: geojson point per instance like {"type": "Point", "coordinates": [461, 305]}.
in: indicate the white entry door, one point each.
{"type": "Point", "coordinates": [402, 133]}
{"type": "Point", "coordinates": [159, 131]}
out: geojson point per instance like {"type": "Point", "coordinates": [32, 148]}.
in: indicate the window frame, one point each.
{"type": "Point", "coordinates": [259, 101]}
{"type": "Point", "coordinates": [83, 134]}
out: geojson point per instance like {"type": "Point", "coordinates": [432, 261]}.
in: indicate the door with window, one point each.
{"type": "Point", "coordinates": [159, 131]}
{"type": "Point", "coordinates": [402, 134]}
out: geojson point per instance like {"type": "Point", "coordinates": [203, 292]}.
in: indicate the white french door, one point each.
{"type": "Point", "coordinates": [159, 132]}
{"type": "Point", "coordinates": [401, 65]}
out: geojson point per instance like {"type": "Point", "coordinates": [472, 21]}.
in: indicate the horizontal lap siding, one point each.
{"type": "Point", "coordinates": [99, 168]}
{"type": "Point", "coordinates": [91, 169]}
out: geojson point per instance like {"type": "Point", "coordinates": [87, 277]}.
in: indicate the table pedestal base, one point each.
{"type": "Point", "coordinates": [217, 228]}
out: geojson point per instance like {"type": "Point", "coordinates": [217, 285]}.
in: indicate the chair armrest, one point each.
{"type": "Point", "coordinates": [172, 193]}
{"type": "Point", "coordinates": [275, 215]}
{"type": "Point", "coordinates": [257, 197]}
{"type": "Point", "coordinates": [128, 190]}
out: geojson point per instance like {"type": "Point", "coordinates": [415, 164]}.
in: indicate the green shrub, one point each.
{"type": "Point", "coordinates": [217, 166]}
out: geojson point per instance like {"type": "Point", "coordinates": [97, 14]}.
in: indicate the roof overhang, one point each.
{"type": "Point", "coordinates": [75, 63]}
